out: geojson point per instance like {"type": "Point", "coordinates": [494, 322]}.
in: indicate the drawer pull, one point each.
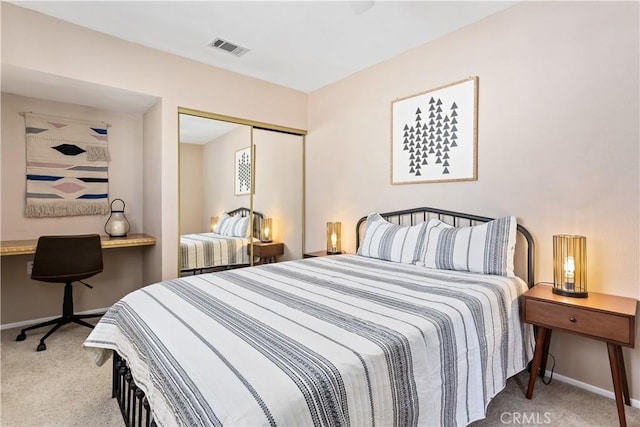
{"type": "Point", "coordinates": [572, 319]}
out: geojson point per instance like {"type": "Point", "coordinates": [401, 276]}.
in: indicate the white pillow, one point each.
{"type": "Point", "coordinates": [234, 226]}
{"type": "Point", "coordinates": [488, 248]}
{"type": "Point", "coordinates": [391, 242]}
{"type": "Point", "coordinates": [431, 233]}
{"type": "Point", "coordinates": [221, 224]}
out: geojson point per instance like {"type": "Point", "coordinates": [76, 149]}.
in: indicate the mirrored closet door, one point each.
{"type": "Point", "coordinates": [279, 187]}
{"type": "Point", "coordinates": [220, 157]}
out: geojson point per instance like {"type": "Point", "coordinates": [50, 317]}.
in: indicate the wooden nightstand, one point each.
{"type": "Point", "coordinates": [607, 318]}
{"type": "Point", "coordinates": [316, 254]}
{"type": "Point", "coordinates": [266, 251]}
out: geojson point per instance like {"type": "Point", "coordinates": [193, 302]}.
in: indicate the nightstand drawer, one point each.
{"type": "Point", "coordinates": [270, 249]}
{"type": "Point", "coordinates": [606, 326]}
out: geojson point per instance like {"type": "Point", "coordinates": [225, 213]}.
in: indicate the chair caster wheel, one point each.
{"type": "Point", "coordinates": [41, 347]}
{"type": "Point", "coordinates": [21, 337]}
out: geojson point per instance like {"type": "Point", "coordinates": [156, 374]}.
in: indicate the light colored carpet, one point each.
{"type": "Point", "coordinates": [63, 387]}
{"type": "Point", "coordinates": [59, 387]}
{"type": "Point", "coordinates": [557, 404]}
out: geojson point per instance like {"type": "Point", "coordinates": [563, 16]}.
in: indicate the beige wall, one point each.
{"type": "Point", "coordinates": [191, 190]}
{"type": "Point", "coordinates": [558, 144]}
{"type": "Point", "coordinates": [158, 258]}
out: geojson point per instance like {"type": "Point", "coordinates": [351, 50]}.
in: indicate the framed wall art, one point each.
{"type": "Point", "coordinates": [242, 178]}
{"type": "Point", "coordinates": [434, 134]}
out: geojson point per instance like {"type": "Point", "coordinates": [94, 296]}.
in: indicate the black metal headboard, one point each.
{"type": "Point", "coordinates": [457, 219]}
{"type": "Point", "coordinates": [257, 219]}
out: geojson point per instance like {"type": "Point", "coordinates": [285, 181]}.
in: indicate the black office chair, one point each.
{"type": "Point", "coordinates": [65, 259]}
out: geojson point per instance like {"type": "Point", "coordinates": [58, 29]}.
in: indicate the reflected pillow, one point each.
{"type": "Point", "coordinates": [488, 248]}
{"type": "Point", "coordinates": [234, 226]}
{"type": "Point", "coordinates": [221, 223]}
{"type": "Point", "coordinates": [391, 242]}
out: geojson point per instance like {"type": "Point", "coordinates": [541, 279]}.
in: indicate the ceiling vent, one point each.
{"type": "Point", "coordinates": [228, 47]}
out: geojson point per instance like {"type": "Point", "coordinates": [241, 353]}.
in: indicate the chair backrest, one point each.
{"type": "Point", "coordinates": [62, 259]}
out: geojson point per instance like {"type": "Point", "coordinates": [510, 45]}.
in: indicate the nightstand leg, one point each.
{"type": "Point", "coordinates": [541, 339]}
{"type": "Point", "coordinates": [623, 374]}
{"type": "Point", "coordinates": [614, 359]}
{"type": "Point", "coordinates": [545, 353]}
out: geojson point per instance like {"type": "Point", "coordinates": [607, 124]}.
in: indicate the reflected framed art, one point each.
{"type": "Point", "coordinates": [242, 177]}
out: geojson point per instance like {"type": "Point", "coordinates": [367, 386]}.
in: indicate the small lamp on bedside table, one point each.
{"type": "Point", "coordinates": [570, 266]}
{"type": "Point", "coordinates": [334, 237]}
{"type": "Point", "coordinates": [267, 230]}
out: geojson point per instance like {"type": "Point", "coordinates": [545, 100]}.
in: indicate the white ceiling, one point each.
{"type": "Point", "coordinates": [201, 130]}
{"type": "Point", "coordinates": [303, 45]}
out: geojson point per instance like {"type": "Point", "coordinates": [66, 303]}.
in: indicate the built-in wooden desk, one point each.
{"type": "Point", "coordinates": [26, 247]}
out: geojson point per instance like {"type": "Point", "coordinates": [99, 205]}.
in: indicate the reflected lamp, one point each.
{"type": "Point", "coordinates": [334, 238]}
{"type": "Point", "coordinates": [570, 266]}
{"type": "Point", "coordinates": [267, 230]}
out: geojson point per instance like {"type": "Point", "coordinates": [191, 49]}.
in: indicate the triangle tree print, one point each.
{"type": "Point", "coordinates": [434, 135]}
{"type": "Point", "coordinates": [432, 138]}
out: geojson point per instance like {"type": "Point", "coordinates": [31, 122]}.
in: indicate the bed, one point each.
{"type": "Point", "coordinates": [352, 339]}
{"type": "Point", "coordinates": [207, 252]}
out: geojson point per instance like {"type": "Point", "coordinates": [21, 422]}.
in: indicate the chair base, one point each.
{"type": "Point", "coordinates": [67, 317]}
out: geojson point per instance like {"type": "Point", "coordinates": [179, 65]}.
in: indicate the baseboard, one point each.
{"type": "Point", "coordinates": [26, 323]}
{"type": "Point", "coordinates": [597, 390]}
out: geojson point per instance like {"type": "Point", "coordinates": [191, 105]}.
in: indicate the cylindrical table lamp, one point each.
{"type": "Point", "coordinates": [334, 237]}
{"type": "Point", "coordinates": [267, 230]}
{"type": "Point", "coordinates": [570, 266]}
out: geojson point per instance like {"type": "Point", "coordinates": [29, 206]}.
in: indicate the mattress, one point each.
{"type": "Point", "coordinates": [339, 340]}
{"type": "Point", "coordinates": [207, 250]}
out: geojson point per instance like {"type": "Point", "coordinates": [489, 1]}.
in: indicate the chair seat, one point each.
{"type": "Point", "coordinates": [66, 278]}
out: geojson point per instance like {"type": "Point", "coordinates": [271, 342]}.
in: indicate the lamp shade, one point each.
{"type": "Point", "coordinates": [570, 266]}
{"type": "Point", "coordinates": [267, 230]}
{"type": "Point", "coordinates": [334, 238]}
{"type": "Point", "coordinates": [117, 224]}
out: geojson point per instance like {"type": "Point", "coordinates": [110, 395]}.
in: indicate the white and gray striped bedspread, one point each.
{"type": "Point", "coordinates": [206, 250]}
{"type": "Point", "coordinates": [339, 340]}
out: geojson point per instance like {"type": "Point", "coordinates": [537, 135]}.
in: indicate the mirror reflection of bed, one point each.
{"type": "Point", "coordinates": [224, 247]}
{"type": "Point", "coordinates": [207, 184]}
